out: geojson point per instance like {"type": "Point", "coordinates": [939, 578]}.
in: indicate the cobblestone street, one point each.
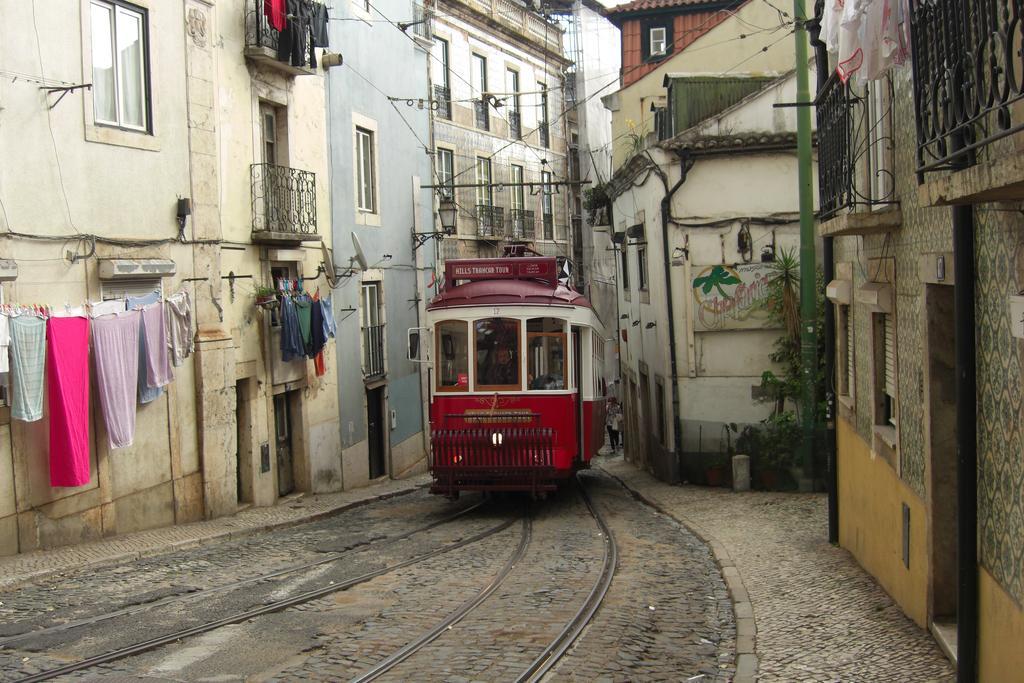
{"type": "Point", "coordinates": [475, 591]}
{"type": "Point", "coordinates": [819, 616]}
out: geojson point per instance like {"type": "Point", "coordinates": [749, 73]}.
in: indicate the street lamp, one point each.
{"type": "Point", "coordinates": [448, 213]}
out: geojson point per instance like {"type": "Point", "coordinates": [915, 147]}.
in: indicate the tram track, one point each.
{"type": "Point", "coordinates": [275, 606]}
{"type": "Point", "coordinates": [553, 652]}
{"type": "Point", "coordinates": [203, 593]}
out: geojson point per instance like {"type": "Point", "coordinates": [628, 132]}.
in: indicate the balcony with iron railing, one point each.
{"type": "Point", "coordinates": [545, 134]}
{"type": "Point", "coordinates": [262, 41]}
{"type": "Point", "coordinates": [967, 98]}
{"type": "Point", "coordinates": [490, 221]}
{"type": "Point", "coordinates": [515, 125]}
{"type": "Point", "coordinates": [519, 19]}
{"type": "Point", "coordinates": [522, 225]}
{"type": "Point", "coordinates": [373, 351]}
{"type": "Point", "coordinates": [483, 114]}
{"type": "Point", "coordinates": [856, 188]}
{"type": "Point", "coordinates": [283, 204]}
{"type": "Point", "coordinates": [443, 102]}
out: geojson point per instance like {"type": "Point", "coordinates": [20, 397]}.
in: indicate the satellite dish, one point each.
{"type": "Point", "coordinates": [329, 271]}
{"type": "Point", "coordinates": [359, 257]}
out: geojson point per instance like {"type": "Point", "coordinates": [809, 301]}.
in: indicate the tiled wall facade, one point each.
{"type": "Point", "coordinates": [999, 237]}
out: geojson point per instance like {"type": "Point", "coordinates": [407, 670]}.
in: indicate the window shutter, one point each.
{"type": "Point", "coordinates": [890, 356]}
{"type": "Point", "coordinates": [849, 351]}
{"type": "Point", "coordinates": [122, 289]}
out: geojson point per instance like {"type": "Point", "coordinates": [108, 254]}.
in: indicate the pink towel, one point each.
{"type": "Point", "coordinates": [115, 343]}
{"type": "Point", "coordinates": [67, 350]}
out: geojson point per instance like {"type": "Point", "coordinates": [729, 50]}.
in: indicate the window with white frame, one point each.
{"type": "Point", "coordinates": [658, 39]}
{"type": "Point", "coordinates": [446, 171]}
{"type": "Point", "coordinates": [366, 171]}
{"type": "Point", "coordinates": [120, 69]}
{"type": "Point", "coordinates": [518, 196]}
{"type": "Point", "coordinates": [484, 190]}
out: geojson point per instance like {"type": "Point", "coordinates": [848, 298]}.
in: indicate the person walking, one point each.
{"type": "Point", "coordinates": [613, 421]}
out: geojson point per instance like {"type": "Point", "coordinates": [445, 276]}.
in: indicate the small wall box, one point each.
{"type": "Point", "coordinates": [1017, 316]}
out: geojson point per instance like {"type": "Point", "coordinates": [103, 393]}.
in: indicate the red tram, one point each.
{"type": "Point", "coordinates": [516, 401]}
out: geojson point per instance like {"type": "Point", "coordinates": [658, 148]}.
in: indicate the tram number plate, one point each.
{"type": "Point", "coordinates": [496, 311]}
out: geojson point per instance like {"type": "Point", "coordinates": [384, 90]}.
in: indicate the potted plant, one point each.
{"type": "Point", "coordinates": [596, 203]}
{"type": "Point", "coordinates": [778, 441]}
{"type": "Point", "coordinates": [266, 297]}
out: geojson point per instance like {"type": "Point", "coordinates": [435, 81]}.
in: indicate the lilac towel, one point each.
{"type": "Point", "coordinates": [115, 342]}
{"type": "Point", "coordinates": [67, 361]}
{"type": "Point", "coordinates": [158, 364]}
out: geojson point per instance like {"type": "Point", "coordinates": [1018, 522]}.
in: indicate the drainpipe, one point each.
{"type": "Point", "coordinates": [685, 164]}
{"type": "Point", "coordinates": [829, 272]}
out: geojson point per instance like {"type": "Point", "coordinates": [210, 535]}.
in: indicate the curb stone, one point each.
{"type": "Point", "coordinates": [746, 626]}
{"type": "Point", "coordinates": [11, 582]}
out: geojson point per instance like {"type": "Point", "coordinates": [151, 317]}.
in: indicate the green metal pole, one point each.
{"type": "Point", "coordinates": [808, 298]}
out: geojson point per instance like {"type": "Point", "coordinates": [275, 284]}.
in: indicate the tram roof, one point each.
{"type": "Point", "coordinates": [516, 280]}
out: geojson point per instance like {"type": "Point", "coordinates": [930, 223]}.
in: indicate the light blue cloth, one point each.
{"type": "Point", "coordinates": [147, 394]}
{"type": "Point", "coordinates": [28, 360]}
{"type": "Point", "coordinates": [330, 327]}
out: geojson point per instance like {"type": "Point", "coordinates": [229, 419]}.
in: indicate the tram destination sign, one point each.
{"type": "Point", "coordinates": [544, 269]}
{"type": "Point", "coordinates": [731, 296]}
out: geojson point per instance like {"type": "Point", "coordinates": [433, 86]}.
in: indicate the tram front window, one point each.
{"type": "Point", "coordinates": [453, 355]}
{"type": "Point", "coordinates": [497, 354]}
{"type": "Point", "coordinates": [545, 343]}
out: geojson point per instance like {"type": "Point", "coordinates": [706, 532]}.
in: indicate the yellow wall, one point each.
{"type": "Point", "coordinates": [1000, 633]}
{"type": "Point", "coordinates": [871, 522]}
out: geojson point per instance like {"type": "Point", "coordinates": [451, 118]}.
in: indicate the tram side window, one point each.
{"type": "Point", "coordinates": [545, 343]}
{"type": "Point", "coordinates": [453, 355]}
{"type": "Point", "coordinates": [497, 354]}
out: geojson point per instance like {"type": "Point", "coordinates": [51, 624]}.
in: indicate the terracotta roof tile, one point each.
{"type": "Point", "coordinates": [649, 5]}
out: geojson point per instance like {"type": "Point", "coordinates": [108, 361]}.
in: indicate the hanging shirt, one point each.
{"type": "Point", "coordinates": [147, 393]}
{"type": "Point", "coordinates": [98, 308]}
{"type": "Point", "coordinates": [5, 348]}
{"type": "Point", "coordinates": [304, 311]}
{"type": "Point", "coordinates": [179, 326]}
{"type": "Point", "coordinates": [319, 25]}
{"type": "Point", "coordinates": [115, 340]}
{"type": "Point", "coordinates": [274, 11]}
{"type": "Point", "coordinates": [67, 391]}
{"type": "Point", "coordinates": [291, 338]}
{"type": "Point", "coordinates": [316, 329]}
{"type": "Point", "coordinates": [28, 360]}
{"type": "Point", "coordinates": [327, 310]}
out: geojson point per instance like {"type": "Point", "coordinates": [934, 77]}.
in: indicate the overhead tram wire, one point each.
{"type": "Point", "coordinates": [431, 55]}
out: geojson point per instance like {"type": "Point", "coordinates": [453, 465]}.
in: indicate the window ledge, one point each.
{"type": "Point", "coordinates": [862, 222]}
{"type": "Point", "coordinates": [122, 138]}
{"type": "Point", "coordinates": [848, 402]}
{"type": "Point", "coordinates": [367, 218]}
{"type": "Point", "coordinates": [1002, 179]}
{"type": "Point", "coordinates": [885, 443]}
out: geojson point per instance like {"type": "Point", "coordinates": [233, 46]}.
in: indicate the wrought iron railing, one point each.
{"type": "Point", "coordinates": [522, 225]}
{"type": "Point", "coordinates": [549, 226]}
{"type": "Point", "coordinates": [967, 77]}
{"type": "Point", "coordinates": [490, 221]}
{"type": "Point", "coordinates": [283, 199]}
{"type": "Point", "coordinates": [855, 143]}
{"type": "Point", "coordinates": [483, 115]}
{"type": "Point", "coordinates": [545, 136]}
{"type": "Point", "coordinates": [443, 99]}
{"type": "Point", "coordinates": [515, 125]}
{"type": "Point", "coordinates": [373, 350]}
{"type": "Point", "coordinates": [258, 31]}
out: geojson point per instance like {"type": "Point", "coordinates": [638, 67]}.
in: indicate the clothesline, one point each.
{"type": "Point", "coordinates": [135, 341]}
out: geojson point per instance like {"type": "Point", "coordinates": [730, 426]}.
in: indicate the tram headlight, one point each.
{"type": "Point", "coordinates": [497, 438]}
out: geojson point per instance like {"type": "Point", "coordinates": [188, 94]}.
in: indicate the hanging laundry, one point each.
{"type": "Point", "coordinates": [5, 346]}
{"type": "Point", "coordinates": [147, 393]}
{"type": "Point", "coordinates": [292, 347]}
{"type": "Point", "coordinates": [179, 326]}
{"type": "Point", "coordinates": [115, 340]}
{"type": "Point", "coordinates": [327, 310]}
{"type": "Point", "coordinates": [304, 311]}
{"type": "Point", "coordinates": [316, 332]}
{"type": "Point", "coordinates": [319, 25]}
{"type": "Point", "coordinates": [28, 360]}
{"type": "Point", "coordinates": [292, 41]}
{"type": "Point", "coordinates": [98, 308]}
{"type": "Point", "coordinates": [851, 52]}
{"type": "Point", "coordinates": [158, 366]}
{"type": "Point", "coordinates": [274, 11]}
{"type": "Point", "coordinates": [67, 360]}
{"type": "Point", "coordinates": [830, 23]}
